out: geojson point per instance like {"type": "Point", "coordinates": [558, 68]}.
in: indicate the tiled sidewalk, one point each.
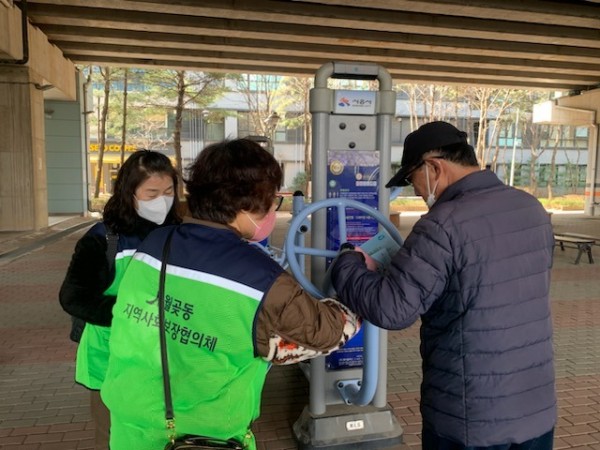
{"type": "Point", "coordinates": [42, 408]}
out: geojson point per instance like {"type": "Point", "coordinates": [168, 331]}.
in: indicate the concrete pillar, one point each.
{"type": "Point", "coordinates": [23, 189]}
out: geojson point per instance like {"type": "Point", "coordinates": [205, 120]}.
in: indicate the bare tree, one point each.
{"type": "Point", "coordinates": [150, 133]}
{"type": "Point", "coordinates": [292, 95]}
{"type": "Point", "coordinates": [181, 87]}
{"type": "Point", "coordinates": [490, 104]}
{"type": "Point", "coordinates": [533, 135]}
{"type": "Point", "coordinates": [176, 89]}
{"type": "Point", "coordinates": [191, 87]}
{"type": "Point", "coordinates": [501, 127]}
{"type": "Point", "coordinates": [259, 92]}
{"type": "Point", "coordinates": [124, 123]}
{"type": "Point", "coordinates": [412, 101]}
{"type": "Point", "coordinates": [572, 167]}
{"type": "Point", "coordinates": [427, 103]}
{"type": "Point", "coordinates": [558, 130]}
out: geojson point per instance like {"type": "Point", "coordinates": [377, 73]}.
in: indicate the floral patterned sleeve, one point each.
{"type": "Point", "coordinates": [292, 326]}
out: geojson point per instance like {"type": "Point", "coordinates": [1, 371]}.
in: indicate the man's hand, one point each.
{"type": "Point", "coordinates": [371, 263]}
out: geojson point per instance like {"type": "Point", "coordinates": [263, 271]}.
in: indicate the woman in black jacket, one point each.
{"type": "Point", "coordinates": [144, 198]}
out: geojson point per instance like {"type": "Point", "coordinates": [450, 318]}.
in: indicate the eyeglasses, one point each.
{"type": "Point", "coordinates": [408, 177]}
{"type": "Point", "coordinates": [278, 202]}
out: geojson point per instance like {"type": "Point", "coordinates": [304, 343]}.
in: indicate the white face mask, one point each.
{"type": "Point", "coordinates": [155, 210]}
{"type": "Point", "coordinates": [430, 193]}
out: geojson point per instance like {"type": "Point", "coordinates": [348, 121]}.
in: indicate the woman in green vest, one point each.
{"type": "Point", "coordinates": [144, 198]}
{"type": "Point", "coordinates": [231, 311]}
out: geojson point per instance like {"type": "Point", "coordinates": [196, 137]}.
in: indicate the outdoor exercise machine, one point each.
{"type": "Point", "coordinates": [351, 153]}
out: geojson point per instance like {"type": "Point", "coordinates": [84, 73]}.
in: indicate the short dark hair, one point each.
{"type": "Point", "coordinates": [231, 176]}
{"type": "Point", "coordinates": [120, 214]}
{"type": "Point", "coordinates": [460, 153]}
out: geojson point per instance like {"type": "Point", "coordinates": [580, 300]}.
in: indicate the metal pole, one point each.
{"type": "Point", "coordinates": [385, 113]}
{"type": "Point", "coordinates": [318, 240]}
{"type": "Point", "coordinates": [320, 107]}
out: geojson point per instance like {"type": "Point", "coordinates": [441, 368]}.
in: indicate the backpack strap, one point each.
{"type": "Point", "coordinates": [112, 242]}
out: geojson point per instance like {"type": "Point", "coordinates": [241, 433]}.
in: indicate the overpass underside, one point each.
{"type": "Point", "coordinates": [552, 45]}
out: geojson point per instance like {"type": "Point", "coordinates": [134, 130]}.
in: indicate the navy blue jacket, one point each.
{"type": "Point", "coordinates": [476, 270]}
{"type": "Point", "coordinates": [89, 274]}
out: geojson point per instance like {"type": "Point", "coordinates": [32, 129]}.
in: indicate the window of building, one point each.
{"type": "Point", "coordinates": [282, 134]}
{"type": "Point", "coordinates": [215, 130]}
{"type": "Point", "coordinates": [244, 126]}
{"type": "Point", "coordinates": [506, 136]}
{"type": "Point", "coordinates": [260, 83]}
{"type": "Point", "coordinates": [581, 137]}
{"type": "Point", "coordinates": [196, 127]}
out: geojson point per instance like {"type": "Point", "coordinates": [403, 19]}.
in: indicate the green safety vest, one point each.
{"type": "Point", "coordinates": [216, 380]}
{"type": "Point", "coordinates": [92, 352]}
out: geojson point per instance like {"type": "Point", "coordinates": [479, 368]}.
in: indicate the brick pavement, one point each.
{"type": "Point", "coordinates": [42, 408]}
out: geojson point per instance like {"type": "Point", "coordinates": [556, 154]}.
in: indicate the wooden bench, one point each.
{"type": "Point", "coordinates": [581, 236]}
{"type": "Point", "coordinates": [395, 218]}
{"type": "Point", "coordinates": [582, 244]}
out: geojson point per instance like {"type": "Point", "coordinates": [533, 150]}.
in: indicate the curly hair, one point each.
{"type": "Point", "coordinates": [231, 176]}
{"type": "Point", "coordinates": [119, 213]}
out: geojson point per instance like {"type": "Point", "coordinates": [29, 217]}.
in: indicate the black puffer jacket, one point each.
{"type": "Point", "coordinates": [89, 275]}
{"type": "Point", "coordinates": [476, 269]}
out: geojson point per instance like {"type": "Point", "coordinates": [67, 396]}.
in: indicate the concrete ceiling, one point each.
{"type": "Point", "coordinates": [527, 43]}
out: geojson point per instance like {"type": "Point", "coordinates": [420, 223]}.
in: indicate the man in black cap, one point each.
{"type": "Point", "coordinates": [476, 270]}
{"type": "Point", "coordinates": [427, 138]}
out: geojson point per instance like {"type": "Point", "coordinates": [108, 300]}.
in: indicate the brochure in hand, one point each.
{"type": "Point", "coordinates": [381, 248]}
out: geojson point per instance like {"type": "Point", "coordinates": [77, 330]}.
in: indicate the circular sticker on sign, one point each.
{"type": "Point", "coordinates": [336, 167]}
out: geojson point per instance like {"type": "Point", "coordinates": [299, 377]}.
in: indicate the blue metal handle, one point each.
{"type": "Point", "coordinates": [360, 393]}
{"type": "Point", "coordinates": [293, 250]}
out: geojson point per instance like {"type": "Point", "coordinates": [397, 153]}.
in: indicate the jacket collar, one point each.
{"type": "Point", "coordinates": [481, 179]}
{"type": "Point", "coordinates": [208, 223]}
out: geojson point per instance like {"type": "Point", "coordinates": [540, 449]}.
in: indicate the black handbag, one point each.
{"type": "Point", "coordinates": [189, 442]}
{"type": "Point", "coordinates": [202, 443]}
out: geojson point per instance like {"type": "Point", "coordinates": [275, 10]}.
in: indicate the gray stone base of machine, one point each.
{"type": "Point", "coordinates": [345, 427]}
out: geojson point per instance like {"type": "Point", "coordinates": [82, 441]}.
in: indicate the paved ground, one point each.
{"type": "Point", "coordinates": [41, 408]}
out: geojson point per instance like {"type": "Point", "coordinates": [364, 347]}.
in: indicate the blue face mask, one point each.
{"type": "Point", "coordinates": [155, 210]}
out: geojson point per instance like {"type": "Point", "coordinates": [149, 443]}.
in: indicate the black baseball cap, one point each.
{"type": "Point", "coordinates": [427, 137]}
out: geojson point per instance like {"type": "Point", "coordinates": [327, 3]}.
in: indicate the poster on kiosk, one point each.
{"type": "Point", "coordinates": [352, 173]}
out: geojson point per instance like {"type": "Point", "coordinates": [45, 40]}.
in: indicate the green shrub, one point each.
{"type": "Point", "coordinates": [97, 204]}
{"type": "Point", "coordinates": [564, 203]}
{"type": "Point", "coordinates": [299, 182]}
{"type": "Point", "coordinates": [408, 204]}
